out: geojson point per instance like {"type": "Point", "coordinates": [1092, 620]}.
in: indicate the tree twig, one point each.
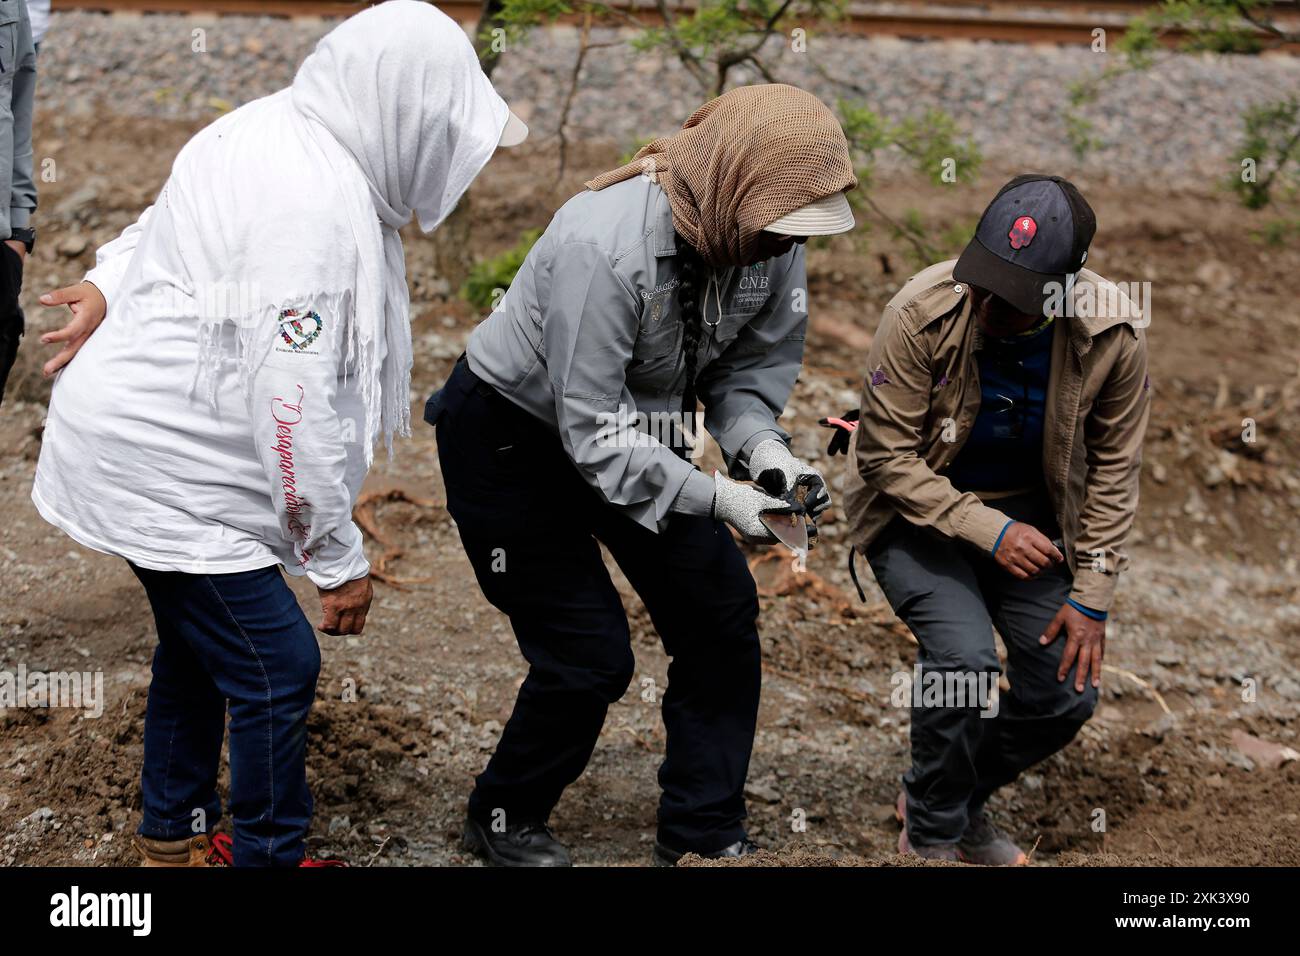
{"type": "Point", "coordinates": [1141, 683]}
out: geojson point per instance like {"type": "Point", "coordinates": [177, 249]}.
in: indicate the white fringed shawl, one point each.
{"type": "Point", "coordinates": [299, 196]}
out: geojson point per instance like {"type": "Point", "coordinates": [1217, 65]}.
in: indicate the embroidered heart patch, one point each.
{"type": "Point", "coordinates": [299, 331]}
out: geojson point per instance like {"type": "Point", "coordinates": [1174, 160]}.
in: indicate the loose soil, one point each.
{"type": "Point", "coordinates": [1210, 603]}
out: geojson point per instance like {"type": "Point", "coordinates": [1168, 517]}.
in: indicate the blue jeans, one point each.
{"type": "Point", "coordinates": [239, 640]}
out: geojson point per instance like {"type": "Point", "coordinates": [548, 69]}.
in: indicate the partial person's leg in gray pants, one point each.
{"type": "Point", "coordinates": [951, 597]}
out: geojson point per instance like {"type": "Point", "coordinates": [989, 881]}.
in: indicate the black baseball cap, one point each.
{"type": "Point", "coordinates": [1034, 233]}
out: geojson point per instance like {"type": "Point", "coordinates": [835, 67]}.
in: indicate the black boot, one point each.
{"type": "Point", "coordinates": [666, 856]}
{"type": "Point", "coordinates": [522, 844]}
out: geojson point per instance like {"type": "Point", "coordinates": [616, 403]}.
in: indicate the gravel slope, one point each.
{"type": "Point", "coordinates": [1175, 123]}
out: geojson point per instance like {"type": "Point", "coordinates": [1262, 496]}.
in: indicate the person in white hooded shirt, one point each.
{"type": "Point", "coordinates": [219, 424]}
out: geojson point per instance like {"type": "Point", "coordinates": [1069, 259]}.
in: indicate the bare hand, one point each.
{"type": "Point", "coordinates": [18, 247]}
{"type": "Point", "coordinates": [1024, 551]}
{"type": "Point", "coordinates": [1085, 641]}
{"type": "Point", "coordinates": [344, 608]}
{"type": "Point", "coordinates": [88, 310]}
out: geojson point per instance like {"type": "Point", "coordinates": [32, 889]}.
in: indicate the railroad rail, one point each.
{"type": "Point", "coordinates": [1030, 21]}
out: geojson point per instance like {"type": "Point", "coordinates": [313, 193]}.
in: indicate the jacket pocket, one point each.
{"type": "Point", "coordinates": [9, 17]}
{"type": "Point", "coordinates": [435, 407]}
{"type": "Point", "coordinates": [730, 325]}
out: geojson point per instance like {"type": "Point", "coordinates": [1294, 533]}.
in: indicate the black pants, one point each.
{"type": "Point", "coordinates": [530, 525]}
{"type": "Point", "coordinates": [951, 596]}
{"type": "Point", "coordinates": [12, 324]}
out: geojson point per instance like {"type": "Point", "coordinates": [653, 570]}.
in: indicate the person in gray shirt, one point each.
{"type": "Point", "coordinates": [675, 280]}
{"type": "Point", "coordinates": [17, 90]}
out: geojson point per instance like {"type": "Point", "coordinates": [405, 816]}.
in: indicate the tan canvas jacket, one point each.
{"type": "Point", "coordinates": [921, 395]}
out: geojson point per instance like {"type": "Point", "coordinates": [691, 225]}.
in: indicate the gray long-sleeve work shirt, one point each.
{"type": "Point", "coordinates": [588, 337]}
{"type": "Point", "coordinates": [17, 91]}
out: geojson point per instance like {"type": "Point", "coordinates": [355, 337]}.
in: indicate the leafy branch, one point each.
{"type": "Point", "coordinates": [1270, 140]}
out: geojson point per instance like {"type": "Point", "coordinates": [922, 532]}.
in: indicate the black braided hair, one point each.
{"type": "Point", "coordinates": [691, 277]}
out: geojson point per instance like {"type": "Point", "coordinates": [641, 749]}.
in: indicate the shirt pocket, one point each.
{"type": "Point", "coordinates": [658, 330]}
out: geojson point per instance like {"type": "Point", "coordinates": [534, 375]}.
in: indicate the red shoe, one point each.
{"type": "Point", "coordinates": [221, 854]}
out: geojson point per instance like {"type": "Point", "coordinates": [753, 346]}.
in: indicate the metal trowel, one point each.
{"type": "Point", "coordinates": [791, 528]}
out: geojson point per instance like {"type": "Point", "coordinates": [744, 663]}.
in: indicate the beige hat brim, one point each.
{"type": "Point", "coordinates": [823, 217]}
{"type": "Point", "coordinates": [515, 131]}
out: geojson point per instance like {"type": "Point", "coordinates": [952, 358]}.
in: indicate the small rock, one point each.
{"type": "Point", "coordinates": [42, 816]}
{"type": "Point", "coordinates": [1286, 687]}
{"type": "Point", "coordinates": [82, 198]}
{"type": "Point", "coordinates": [72, 246]}
{"type": "Point", "coordinates": [1265, 754]}
{"type": "Point", "coordinates": [762, 792]}
{"type": "Point", "coordinates": [1214, 274]}
{"type": "Point", "coordinates": [1160, 726]}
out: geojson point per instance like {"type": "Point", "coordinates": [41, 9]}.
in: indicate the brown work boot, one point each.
{"type": "Point", "coordinates": [198, 850]}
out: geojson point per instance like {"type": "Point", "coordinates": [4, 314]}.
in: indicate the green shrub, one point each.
{"type": "Point", "coordinates": [491, 277]}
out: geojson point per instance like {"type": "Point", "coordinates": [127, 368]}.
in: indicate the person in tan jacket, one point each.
{"type": "Point", "coordinates": [997, 454]}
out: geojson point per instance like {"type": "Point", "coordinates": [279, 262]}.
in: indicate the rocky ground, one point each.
{"type": "Point", "coordinates": [1177, 122]}
{"type": "Point", "coordinates": [1190, 758]}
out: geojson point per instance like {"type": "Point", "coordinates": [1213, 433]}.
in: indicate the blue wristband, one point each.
{"type": "Point", "coordinates": [998, 543]}
{"type": "Point", "coordinates": [1086, 611]}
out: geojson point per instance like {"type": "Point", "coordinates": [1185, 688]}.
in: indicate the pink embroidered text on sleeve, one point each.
{"type": "Point", "coordinates": [287, 415]}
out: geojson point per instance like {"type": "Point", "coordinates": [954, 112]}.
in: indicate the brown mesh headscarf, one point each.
{"type": "Point", "coordinates": [741, 162]}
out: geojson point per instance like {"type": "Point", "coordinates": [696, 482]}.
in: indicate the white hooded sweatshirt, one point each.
{"type": "Point", "coordinates": [258, 339]}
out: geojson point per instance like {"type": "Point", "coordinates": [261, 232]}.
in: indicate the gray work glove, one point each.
{"type": "Point", "coordinates": [740, 505]}
{"type": "Point", "coordinates": [778, 471]}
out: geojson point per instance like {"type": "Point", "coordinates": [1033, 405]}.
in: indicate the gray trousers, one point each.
{"type": "Point", "coordinates": [951, 596]}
